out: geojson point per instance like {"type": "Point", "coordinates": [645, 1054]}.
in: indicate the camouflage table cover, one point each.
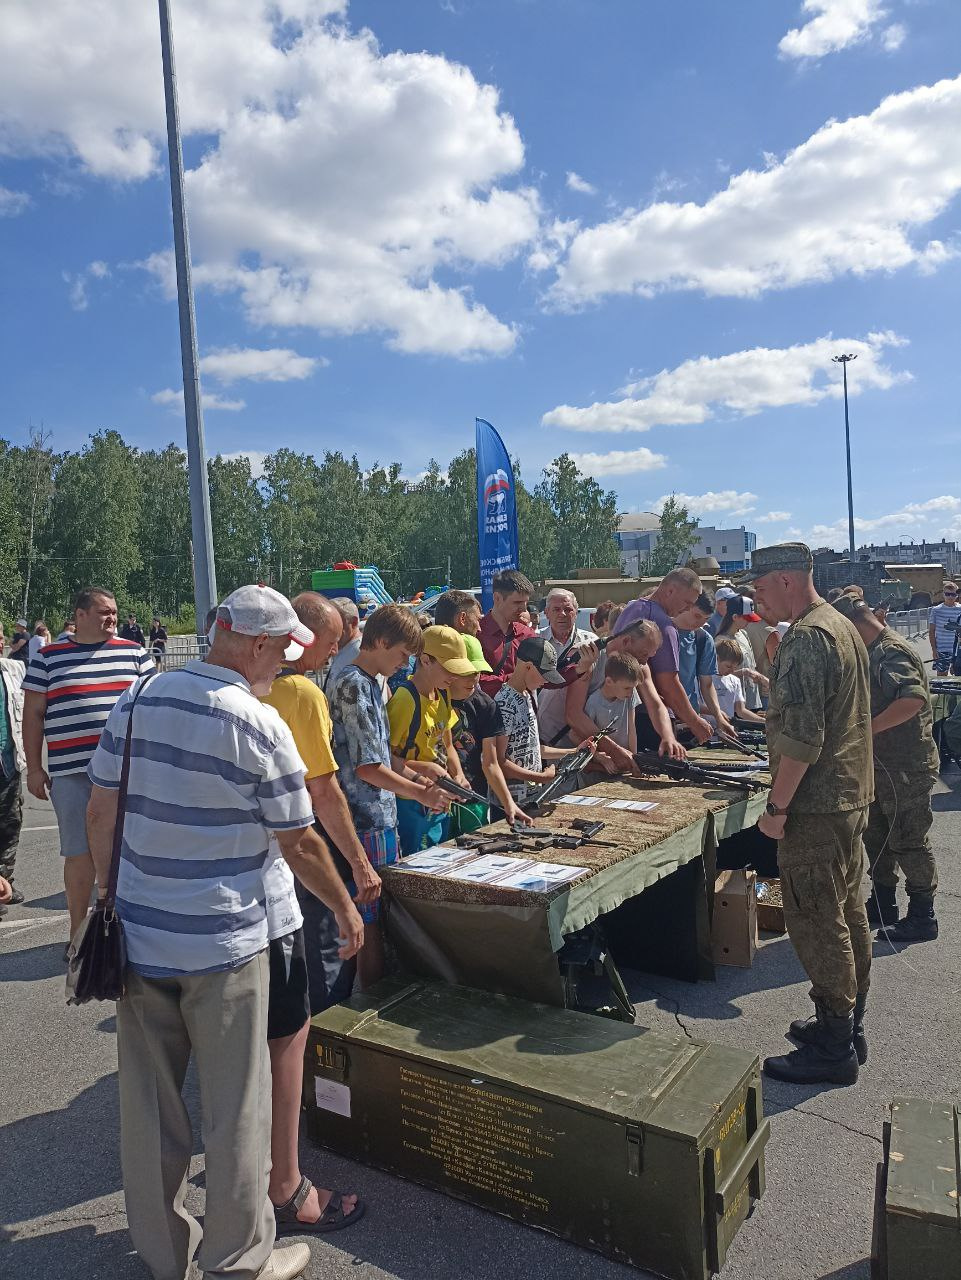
{"type": "Point", "coordinates": [469, 932]}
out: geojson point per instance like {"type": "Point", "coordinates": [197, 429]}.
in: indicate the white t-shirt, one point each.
{"type": "Point", "coordinates": [729, 693]}
{"type": "Point", "coordinates": [36, 644]}
{"type": "Point", "coordinates": [280, 895]}
{"type": "Point", "coordinates": [523, 743]}
{"type": "Point", "coordinates": [552, 703]}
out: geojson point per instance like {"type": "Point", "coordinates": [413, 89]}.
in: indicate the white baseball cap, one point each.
{"type": "Point", "coordinates": [262, 611]}
{"type": "Point", "coordinates": [725, 593]}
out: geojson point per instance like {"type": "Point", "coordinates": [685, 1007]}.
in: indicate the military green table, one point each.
{"type": "Point", "coordinates": [648, 1148]}
{"type": "Point", "coordinates": [653, 893]}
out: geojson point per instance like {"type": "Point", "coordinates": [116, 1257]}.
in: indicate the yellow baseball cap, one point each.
{"type": "Point", "coordinates": [447, 646]}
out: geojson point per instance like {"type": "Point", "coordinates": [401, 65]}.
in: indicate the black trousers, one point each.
{"type": "Point", "coordinates": [11, 820]}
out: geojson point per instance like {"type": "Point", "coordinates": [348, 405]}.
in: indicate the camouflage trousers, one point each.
{"type": "Point", "coordinates": [11, 819]}
{"type": "Point", "coordinates": [821, 858]}
{"type": "Point", "coordinates": [897, 836]}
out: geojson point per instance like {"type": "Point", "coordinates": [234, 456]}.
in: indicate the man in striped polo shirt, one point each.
{"type": "Point", "coordinates": [69, 691]}
{"type": "Point", "coordinates": [213, 776]}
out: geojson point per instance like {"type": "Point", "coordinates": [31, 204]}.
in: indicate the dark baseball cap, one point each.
{"type": "Point", "coordinates": [783, 557]}
{"type": "Point", "coordinates": [543, 655]}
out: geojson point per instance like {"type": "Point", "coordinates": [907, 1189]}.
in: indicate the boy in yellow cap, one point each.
{"type": "Point", "coordinates": [421, 718]}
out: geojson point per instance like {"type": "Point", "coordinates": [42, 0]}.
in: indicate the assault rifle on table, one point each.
{"type": "Point", "coordinates": [463, 795]}
{"type": "Point", "coordinates": [686, 771]}
{"type": "Point", "coordinates": [566, 769]}
{"type": "Point", "coordinates": [528, 841]}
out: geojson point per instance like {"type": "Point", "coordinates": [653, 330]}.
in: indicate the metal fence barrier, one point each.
{"type": "Point", "coordinates": [909, 622]}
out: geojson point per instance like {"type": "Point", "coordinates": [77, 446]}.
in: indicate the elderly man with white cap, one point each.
{"type": "Point", "coordinates": [209, 777]}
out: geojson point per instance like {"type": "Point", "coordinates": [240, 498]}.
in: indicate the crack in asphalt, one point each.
{"type": "Point", "coordinates": [816, 1115]}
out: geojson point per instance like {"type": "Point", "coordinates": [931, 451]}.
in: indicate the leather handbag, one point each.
{"type": "Point", "coordinates": [98, 950]}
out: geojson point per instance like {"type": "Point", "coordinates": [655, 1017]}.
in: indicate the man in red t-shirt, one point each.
{"type": "Point", "coordinates": [501, 630]}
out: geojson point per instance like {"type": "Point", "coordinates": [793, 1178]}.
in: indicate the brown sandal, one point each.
{"type": "Point", "coordinates": [332, 1219]}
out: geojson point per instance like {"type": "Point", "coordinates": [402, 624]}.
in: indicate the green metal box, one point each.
{"type": "Point", "coordinates": [648, 1148]}
{"type": "Point", "coordinates": [917, 1223]}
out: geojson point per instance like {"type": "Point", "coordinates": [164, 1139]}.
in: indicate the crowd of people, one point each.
{"type": "Point", "coordinates": [263, 789]}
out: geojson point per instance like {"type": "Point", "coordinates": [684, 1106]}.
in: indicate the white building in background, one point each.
{"type": "Point", "coordinates": [945, 553]}
{"type": "Point", "coordinates": [731, 548]}
{"type": "Point", "coordinates": [638, 533]}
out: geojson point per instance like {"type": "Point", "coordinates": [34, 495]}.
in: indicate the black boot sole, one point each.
{"type": "Point", "coordinates": [845, 1073]}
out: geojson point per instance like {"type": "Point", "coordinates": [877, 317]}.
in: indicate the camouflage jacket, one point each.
{"type": "Point", "coordinates": [907, 751]}
{"type": "Point", "coordinates": [819, 712]}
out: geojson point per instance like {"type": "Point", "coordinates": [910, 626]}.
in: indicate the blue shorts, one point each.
{"type": "Point", "coordinates": [419, 827]}
{"type": "Point", "coordinates": [383, 849]}
{"type": "Point", "coordinates": [70, 793]}
{"type": "Point", "coordinates": [942, 663]}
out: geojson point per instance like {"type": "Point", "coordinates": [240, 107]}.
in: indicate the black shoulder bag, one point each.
{"type": "Point", "coordinates": [98, 950]}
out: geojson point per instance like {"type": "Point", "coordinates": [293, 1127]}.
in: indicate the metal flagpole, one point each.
{"type": "Point", "coordinates": [205, 578]}
{"type": "Point", "coordinates": [843, 362]}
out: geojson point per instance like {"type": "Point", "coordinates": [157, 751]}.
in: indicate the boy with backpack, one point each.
{"type": "Point", "coordinates": [421, 718]}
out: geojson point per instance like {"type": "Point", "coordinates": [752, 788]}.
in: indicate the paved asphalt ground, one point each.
{"type": "Point", "coordinates": [61, 1199]}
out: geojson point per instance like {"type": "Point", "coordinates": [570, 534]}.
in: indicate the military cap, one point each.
{"type": "Point", "coordinates": [851, 606]}
{"type": "Point", "coordinates": [783, 557]}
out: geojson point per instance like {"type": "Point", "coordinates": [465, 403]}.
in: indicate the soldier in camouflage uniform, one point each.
{"type": "Point", "coordinates": [906, 765]}
{"type": "Point", "coordinates": [819, 742]}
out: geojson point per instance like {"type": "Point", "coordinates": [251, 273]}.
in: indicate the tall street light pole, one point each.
{"type": "Point", "coordinates": [843, 362]}
{"type": "Point", "coordinates": [205, 578]}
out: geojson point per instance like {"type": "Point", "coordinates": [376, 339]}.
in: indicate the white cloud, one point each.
{"type": "Point", "coordinates": [209, 400]}
{"type": "Point", "coordinates": [893, 37]}
{"type": "Point", "coordinates": [912, 516]}
{"type": "Point", "coordinates": [275, 364]}
{"type": "Point", "coordinates": [253, 456]}
{"type": "Point", "coordinates": [727, 502]}
{"type": "Point", "coordinates": [576, 183]}
{"type": "Point", "coordinates": [742, 383]}
{"type": "Point", "coordinates": [773, 517]}
{"type": "Point", "coordinates": [338, 182]}
{"type": "Point", "coordinates": [845, 201]}
{"type": "Point", "coordinates": [833, 25]}
{"type": "Point", "coordinates": [12, 203]}
{"type": "Point", "coordinates": [78, 282]}
{"type": "Point", "coordinates": [620, 462]}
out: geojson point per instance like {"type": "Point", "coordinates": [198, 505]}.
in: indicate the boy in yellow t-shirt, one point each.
{"type": "Point", "coordinates": [421, 717]}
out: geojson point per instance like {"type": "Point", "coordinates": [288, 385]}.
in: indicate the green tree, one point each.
{"type": "Point", "coordinates": [91, 534]}
{"type": "Point", "coordinates": [164, 583]}
{"type": "Point", "coordinates": [585, 518]}
{"type": "Point", "coordinates": [237, 522]}
{"type": "Point", "coordinates": [293, 505]}
{"type": "Point", "coordinates": [678, 534]}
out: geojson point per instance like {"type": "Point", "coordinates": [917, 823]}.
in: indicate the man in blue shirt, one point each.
{"type": "Point", "coordinates": [697, 659]}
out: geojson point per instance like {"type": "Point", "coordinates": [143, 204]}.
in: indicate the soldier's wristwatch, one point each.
{"type": "Point", "coordinates": [773, 811]}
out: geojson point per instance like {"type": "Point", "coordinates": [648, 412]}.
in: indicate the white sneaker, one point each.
{"type": "Point", "coordinates": [286, 1263]}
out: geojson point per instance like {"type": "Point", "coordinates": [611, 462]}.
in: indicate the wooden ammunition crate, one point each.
{"type": "Point", "coordinates": [648, 1148]}
{"type": "Point", "coordinates": [917, 1227]}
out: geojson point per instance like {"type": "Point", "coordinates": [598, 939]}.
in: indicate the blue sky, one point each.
{"type": "Point", "coordinates": [635, 231]}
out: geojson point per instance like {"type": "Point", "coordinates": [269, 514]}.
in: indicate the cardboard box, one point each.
{"type": "Point", "coordinates": [770, 907]}
{"type": "Point", "coordinates": [646, 1147]}
{"type": "Point", "coordinates": [734, 931]}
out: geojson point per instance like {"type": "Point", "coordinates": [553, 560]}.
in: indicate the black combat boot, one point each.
{"type": "Point", "coordinates": [882, 905]}
{"type": "Point", "coordinates": [806, 1030]}
{"type": "Point", "coordinates": [919, 925]}
{"type": "Point", "coordinates": [827, 1058]}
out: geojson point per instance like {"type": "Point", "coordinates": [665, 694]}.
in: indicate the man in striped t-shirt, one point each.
{"type": "Point", "coordinates": [215, 798]}
{"type": "Point", "coordinates": [69, 691]}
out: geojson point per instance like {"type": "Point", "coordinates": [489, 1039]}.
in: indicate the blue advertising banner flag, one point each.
{"type": "Point", "coordinates": [496, 509]}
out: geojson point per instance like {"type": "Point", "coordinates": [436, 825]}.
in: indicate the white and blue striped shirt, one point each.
{"type": "Point", "coordinates": [212, 772]}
